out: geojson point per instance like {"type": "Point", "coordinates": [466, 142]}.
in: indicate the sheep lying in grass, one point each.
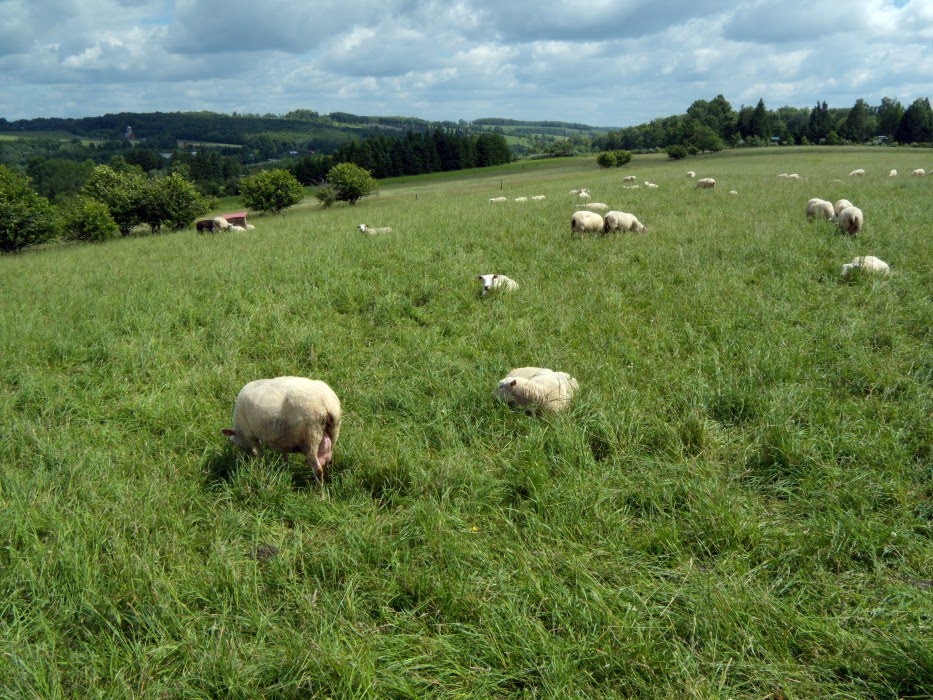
{"type": "Point", "coordinates": [850, 221]}
{"type": "Point", "coordinates": [629, 178]}
{"type": "Point", "coordinates": [287, 414]}
{"type": "Point", "coordinates": [893, 173]}
{"type": "Point", "coordinates": [858, 172]}
{"type": "Point", "coordinates": [868, 263]}
{"type": "Point", "coordinates": [705, 183]}
{"type": "Point", "coordinates": [521, 199]}
{"type": "Point", "coordinates": [497, 282]}
{"type": "Point", "coordinates": [840, 205]}
{"type": "Point", "coordinates": [919, 172]}
{"type": "Point", "coordinates": [370, 231]}
{"type": "Point", "coordinates": [234, 227]}
{"type": "Point", "coordinates": [733, 191]}
{"type": "Point", "coordinates": [537, 198]}
{"type": "Point", "coordinates": [493, 200]}
{"type": "Point", "coordinates": [597, 206]}
{"type": "Point", "coordinates": [586, 221]}
{"type": "Point", "coordinates": [690, 173]}
{"type": "Point", "coordinates": [817, 207]}
{"type": "Point", "coordinates": [651, 185]}
{"type": "Point", "coordinates": [794, 176]}
{"type": "Point", "coordinates": [623, 221]}
{"type": "Point", "coordinates": [537, 389]}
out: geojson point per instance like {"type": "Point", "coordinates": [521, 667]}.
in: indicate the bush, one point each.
{"type": "Point", "coordinates": [86, 219]}
{"type": "Point", "coordinates": [326, 195]}
{"type": "Point", "coordinates": [25, 217]}
{"type": "Point", "coordinates": [121, 191]}
{"type": "Point", "coordinates": [350, 182]}
{"type": "Point", "coordinates": [613, 159]}
{"type": "Point", "coordinates": [271, 191]}
{"type": "Point", "coordinates": [172, 201]}
{"type": "Point", "coordinates": [676, 152]}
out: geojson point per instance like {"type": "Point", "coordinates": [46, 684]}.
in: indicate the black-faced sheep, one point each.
{"type": "Point", "coordinates": [287, 414]}
{"type": "Point", "coordinates": [537, 389]}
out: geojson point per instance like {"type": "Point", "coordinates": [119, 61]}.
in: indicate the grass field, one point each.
{"type": "Point", "coordinates": [738, 503]}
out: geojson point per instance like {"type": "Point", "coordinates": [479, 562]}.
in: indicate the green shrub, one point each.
{"type": "Point", "coordinates": [172, 201]}
{"type": "Point", "coordinates": [676, 152]}
{"type": "Point", "coordinates": [350, 182]}
{"type": "Point", "coordinates": [121, 191]}
{"type": "Point", "coordinates": [613, 159]}
{"type": "Point", "coordinates": [326, 195]}
{"type": "Point", "coordinates": [25, 217]}
{"type": "Point", "coordinates": [271, 191]}
{"type": "Point", "coordinates": [86, 219]}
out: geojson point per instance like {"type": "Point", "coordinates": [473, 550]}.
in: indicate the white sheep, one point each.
{"type": "Point", "coordinates": [858, 172]}
{"type": "Point", "coordinates": [919, 172]}
{"type": "Point", "coordinates": [705, 183]}
{"type": "Point", "coordinates": [893, 173]}
{"type": "Point", "coordinates": [537, 389]}
{"type": "Point", "coordinates": [691, 174]}
{"type": "Point", "coordinates": [585, 221]}
{"type": "Point", "coordinates": [537, 198]}
{"type": "Point", "coordinates": [220, 224]}
{"type": "Point", "coordinates": [493, 200]}
{"type": "Point", "coordinates": [850, 220]}
{"type": "Point", "coordinates": [597, 206]}
{"type": "Point", "coordinates": [250, 227]}
{"type": "Point", "coordinates": [370, 231]}
{"type": "Point", "coordinates": [623, 221]}
{"type": "Point", "coordinates": [495, 281]}
{"type": "Point", "coordinates": [840, 205]}
{"type": "Point", "coordinates": [287, 414]}
{"type": "Point", "coordinates": [868, 263]}
{"type": "Point", "coordinates": [822, 208]}
{"type": "Point", "coordinates": [631, 187]}
{"type": "Point", "coordinates": [733, 192]}
{"type": "Point", "coordinates": [794, 176]}
{"type": "Point", "coordinates": [650, 185]}
{"type": "Point", "coordinates": [234, 227]}
{"type": "Point", "coordinates": [521, 199]}
{"type": "Point", "coordinates": [783, 175]}
{"type": "Point", "coordinates": [583, 194]}
{"type": "Point", "coordinates": [629, 178]}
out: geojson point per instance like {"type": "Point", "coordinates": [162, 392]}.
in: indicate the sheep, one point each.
{"type": "Point", "coordinates": [858, 172]}
{"type": "Point", "coordinates": [629, 178]}
{"type": "Point", "coordinates": [495, 282]}
{"type": "Point", "coordinates": [537, 198]}
{"type": "Point", "coordinates": [868, 263]}
{"type": "Point", "coordinates": [691, 174]}
{"type": "Point", "coordinates": [537, 389]}
{"type": "Point", "coordinates": [584, 194]}
{"type": "Point", "coordinates": [783, 175]}
{"type": "Point", "coordinates": [820, 207]}
{"type": "Point", "coordinates": [705, 183]}
{"type": "Point", "coordinates": [919, 172]}
{"type": "Point", "coordinates": [250, 227]}
{"type": "Point", "coordinates": [840, 205]}
{"type": "Point", "coordinates": [584, 221]}
{"type": "Point", "coordinates": [220, 224]}
{"type": "Point", "coordinates": [597, 206]}
{"type": "Point", "coordinates": [893, 173]}
{"type": "Point", "coordinates": [850, 220]}
{"type": "Point", "coordinates": [623, 221]}
{"type": "Point", "coordinates": [287, 414]}
{"type": "Point", "coordinates": [733, 192]}
{"type": "Point", "coordinates": [493, 200]}
{"type": "Point", "coordinates": [234, 227]}
{"type": "Point", "coordinates": [521, 199]}
{"type": "Point", "coordinates": [794, 176]}
{"type": "Point", "coordinates": [650, 185]}
{"type": "Point", "coordinates": [369, 230]}
{"type": "Point", "coordinates": [631, 187]}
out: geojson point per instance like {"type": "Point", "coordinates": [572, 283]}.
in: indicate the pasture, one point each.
{"type": "Point", "coordinates": [737, 503]}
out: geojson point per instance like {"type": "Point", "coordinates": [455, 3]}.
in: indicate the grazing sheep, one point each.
{"type": "Point", "coordinates": [820, 207]}
{"type": "Point", "coordinates": [537, 389]}
{"type": "Point", "coordinates": [850, 221]}
{"type": "Point", "coordinates": [893, 173]}
{"type": "Point", "coordinates": [204, 225]}
{"type": "Point", "coordinates": [493, 200]}
{"type": "Point", "coordinates": [629, 178]}
{"type": "Point", "coordinates": [840, 205]}
{"type": "Point", "coordinates": [650, 185]}
{"type": "Point", "coordinates": [584, 221]}
{"type": "Point", "coordinates": [521, 199]}
{"type": "Point", "coordinates": [221, 224]}
{"type": "Point", "coordinates": [858, 172]}
{"type": "Point", "coordinates": [370, 231]}
{"type": "Point", "coordinates": [705, 183]}
{"type": "Point", "coordinates": [690, 173]}
{"type": "Point", "coordinates": [537, 198]}
{"type": "Point", "coordinates": [868, 263]}
{"type": "Point", "coordinates": [623, 221]}
{"type": "Point", "coordinates": [287, 414]}
{"type": "Point", "coordinates": [495, 282]}
{"type": "Point", "coordinates": [919, 172]}
{"type": "Point", "coordinates": [597, 206]}
{"type": "Point", "coordinates": [733, 192]}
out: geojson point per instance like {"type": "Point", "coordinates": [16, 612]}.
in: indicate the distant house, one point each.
{"type": "Point", "coordinates": [775, 140]}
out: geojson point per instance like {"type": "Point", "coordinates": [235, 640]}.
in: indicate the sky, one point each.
{"type": "Point", "coordinates": [607, 63]}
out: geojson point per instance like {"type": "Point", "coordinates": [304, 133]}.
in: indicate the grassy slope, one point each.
{"type": "Point", "coordinates": [738, 504]}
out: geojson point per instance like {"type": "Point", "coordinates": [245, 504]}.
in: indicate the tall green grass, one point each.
{"type": "Point", "coordinates": [736, 505]}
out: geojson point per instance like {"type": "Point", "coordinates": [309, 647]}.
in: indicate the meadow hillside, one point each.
{"type": "Point", "coordinates": [737, 504]}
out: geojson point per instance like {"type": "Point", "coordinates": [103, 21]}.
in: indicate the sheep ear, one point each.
{"type": "Point", "coordinates": [513, 382]}
{"type": "Point", "coordinates": [479, 277]}
{"type": "Point", "coordinates": [495, 277]}
{"type": "Point", "coordinates": [228, 432]}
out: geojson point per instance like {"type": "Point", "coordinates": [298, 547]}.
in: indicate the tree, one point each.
{"type": "Point", "coordinates": [350, 182]}
{"type": "Point", "coordinates": [271, 191]}
{"type": "Point", "coordinates": [889, 114]}
{"type": "Point", "coordinates": [916, 125]}
{"type": "Point", "coordinates": [86, 219]}
{"type": "Point", "coordinates": [703, 138]}
{"type": "Point", "coordinates": [760, 122]}
{"type": "Point", "coordinates": [26, 218]}
{"type": "Point", "coordinates": [859, 124]}
{"type": "Point", "coordinates": [171, 201]}
{"type": "Point", "coordinates": [120, 191]}
{"type": "Point", "coordinates": [676, 152]}
{"type": "Point", "coordinates": [613, 159]}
